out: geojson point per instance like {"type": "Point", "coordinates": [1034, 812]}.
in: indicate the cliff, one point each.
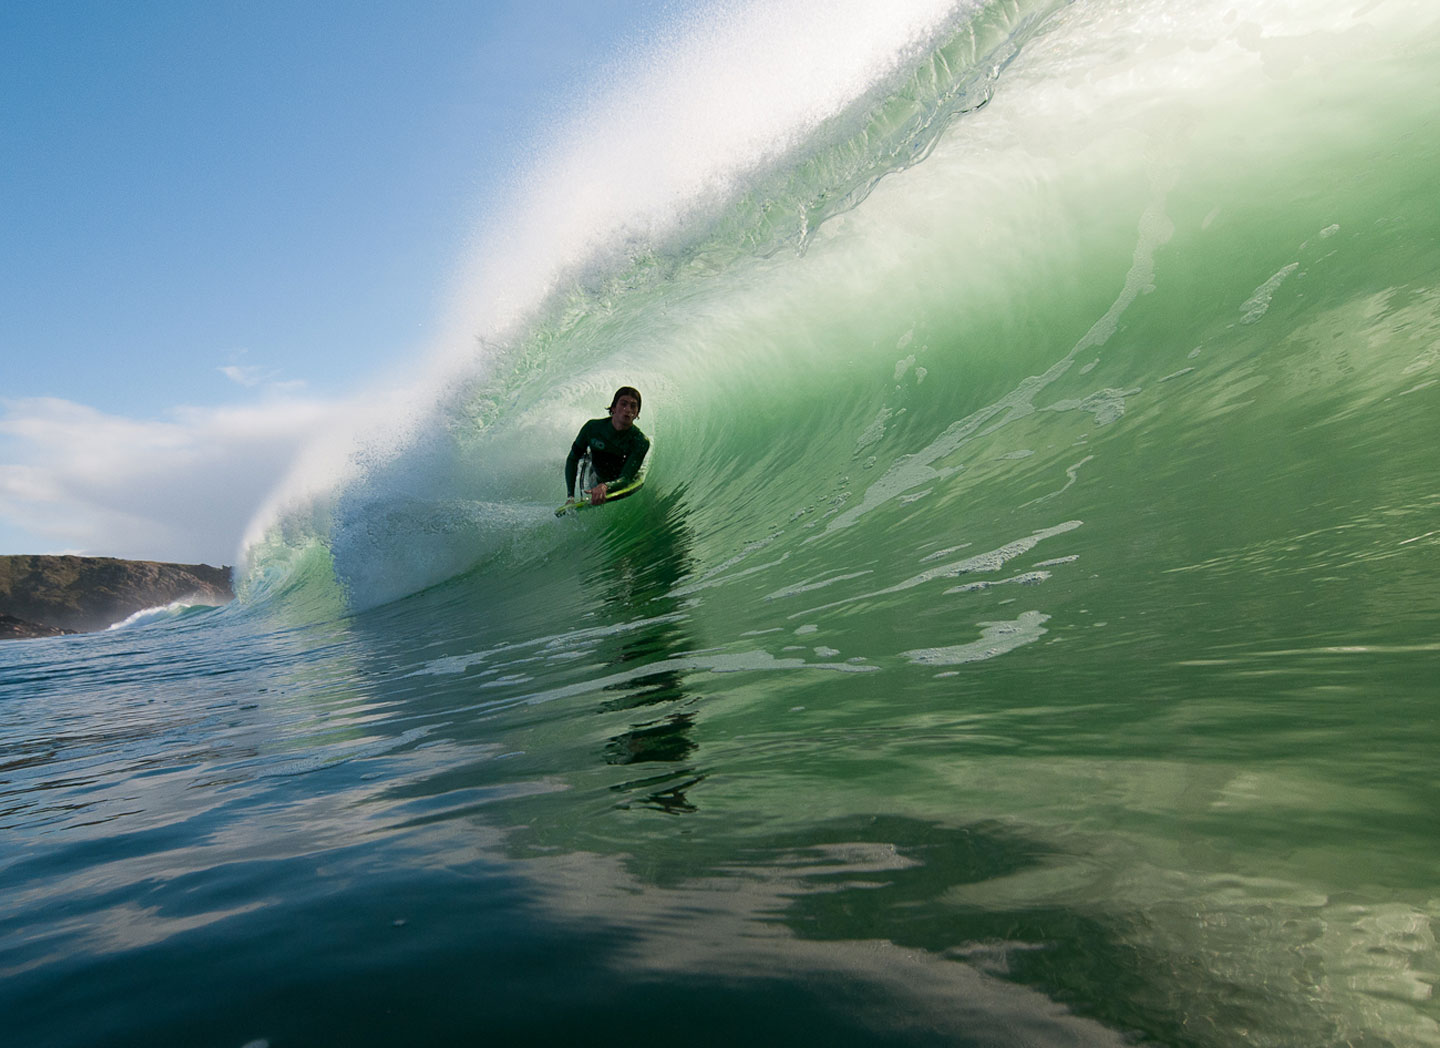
{"type": "Point", "coordinates": [81, 594]}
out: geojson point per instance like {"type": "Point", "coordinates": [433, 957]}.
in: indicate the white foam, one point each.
{"type": "Point", "coordinates": [996, 638]}
{"type": "Point", "coordinates": [993, 560]}
{"type": "Point", "coordinates": [1258, 304]}
{"type": "Point", "coordinates": [155, 614]}
{"type": "Point", "coordinates": [1028, 578]}
{"type": "Point", "coordinates": [806, 587]}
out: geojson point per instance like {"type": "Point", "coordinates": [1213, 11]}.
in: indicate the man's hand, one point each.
{"type": "Point", "coordinates": [597, 494]}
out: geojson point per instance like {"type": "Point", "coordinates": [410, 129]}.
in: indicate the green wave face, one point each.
{"type": "Point", "coordinates": [1044, 446]}
{"type": "Point", "coordinates": [1175, 281]}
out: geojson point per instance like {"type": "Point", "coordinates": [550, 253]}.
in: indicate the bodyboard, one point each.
{"type": "Point", "coordinates": [611, 496]}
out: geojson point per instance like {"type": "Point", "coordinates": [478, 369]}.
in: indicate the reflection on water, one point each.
{"type": "Point", "coordinates": [641, 579]}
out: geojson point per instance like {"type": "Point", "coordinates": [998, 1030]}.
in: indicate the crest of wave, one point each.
{"type": "Point", "coordinates": [675, 132]}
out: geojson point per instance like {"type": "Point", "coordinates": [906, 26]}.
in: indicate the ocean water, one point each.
{"type": "Point", "coordinates": [1029, 632]}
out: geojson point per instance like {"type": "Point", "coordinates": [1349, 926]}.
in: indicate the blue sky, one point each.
{"type": "Point", "coordinates": [217, 218]}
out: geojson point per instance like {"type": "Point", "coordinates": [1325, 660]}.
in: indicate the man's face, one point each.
{"type": "Point", "coordinates": [623, 413]}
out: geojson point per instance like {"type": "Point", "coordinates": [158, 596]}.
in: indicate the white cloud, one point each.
{"type": "Point", "coordinates": [251, 376]}
{"type": "Point", "coordinates": [245, 376]}
{"type": "Point", "coordinates": [181, 488]}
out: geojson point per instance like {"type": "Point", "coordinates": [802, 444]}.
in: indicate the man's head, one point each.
{"type": "Point", "coordinates": [624, 407]}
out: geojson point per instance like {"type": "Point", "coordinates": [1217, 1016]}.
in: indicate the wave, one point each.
{"type": "Point", "coordinates": [536, 352]}
{"type": "Point", "coordinates": [762, 281]}
{"type": "Point", "coordinates": [176, 609]}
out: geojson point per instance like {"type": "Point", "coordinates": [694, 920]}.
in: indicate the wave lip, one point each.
{"type": "Point", "coordinates": [161, 613]}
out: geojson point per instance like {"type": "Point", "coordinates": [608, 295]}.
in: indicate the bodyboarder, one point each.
{"type": "Point", "coordinates": [615, 447]}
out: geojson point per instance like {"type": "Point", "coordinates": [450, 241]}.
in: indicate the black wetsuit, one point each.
{"type": "Point", "coordinates": [615, 454]}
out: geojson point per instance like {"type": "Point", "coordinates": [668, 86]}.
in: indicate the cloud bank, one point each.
{"type": "Point", "coordinates": [181, 488]}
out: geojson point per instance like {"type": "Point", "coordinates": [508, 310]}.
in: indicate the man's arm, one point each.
{"type": "Point", "coordinates": [633, 463]}
{"type": "Point", "coordinates": [572, 463]}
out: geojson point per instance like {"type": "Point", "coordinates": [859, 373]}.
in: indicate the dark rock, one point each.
{"type": "Point", "coordinates": [81, 594]}
{"type": "Point", "coordinates": [12, 628]}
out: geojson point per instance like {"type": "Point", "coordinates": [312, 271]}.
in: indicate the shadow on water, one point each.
{"type": "Point", "coordinates": [902, 880]}
{"type": "Point", "coordinates": [496, 969]}
{"type": "Point", "coordinates": [639, 566]}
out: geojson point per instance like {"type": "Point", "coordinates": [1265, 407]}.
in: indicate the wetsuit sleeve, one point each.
{"type": "Point", "coordinates": [633, 463]}
{"type": "Point", "coordinates": [572, 463]}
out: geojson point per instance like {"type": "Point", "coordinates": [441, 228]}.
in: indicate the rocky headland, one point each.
{"type": "Point", "coordinates": [48, 596]}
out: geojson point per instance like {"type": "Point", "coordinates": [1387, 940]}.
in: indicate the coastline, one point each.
{"type": "Point", "coordinates": [47, 596]}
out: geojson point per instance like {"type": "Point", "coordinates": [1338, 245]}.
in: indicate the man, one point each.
{"type": "Point", "coordinates": [615, 446]}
